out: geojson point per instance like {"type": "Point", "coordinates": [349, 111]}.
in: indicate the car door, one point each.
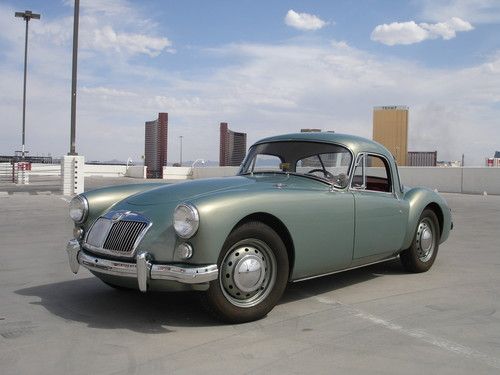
{"type": "Point", "coordinates": [379, 214]}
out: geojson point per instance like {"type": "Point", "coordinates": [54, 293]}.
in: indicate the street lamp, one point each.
{"type": "Point", "coordinates": [27, 16]}
{"type": "Point", "coordinates": [74, 66]}
{"type": "Point", "coordinates": [180, 162]}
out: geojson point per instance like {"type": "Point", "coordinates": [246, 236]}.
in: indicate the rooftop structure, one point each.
{"type": "Point", "coordinates": [233, 146]}
{"type": "Point", "coordinates": [155, 145]}
{"type": "Point", "coordinates": [422, 158]}
{"type": "Point", "coordinates": [390, 128]}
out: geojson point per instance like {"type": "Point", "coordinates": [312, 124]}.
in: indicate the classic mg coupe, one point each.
{"type": "Point", "coordinates": [302, 206]}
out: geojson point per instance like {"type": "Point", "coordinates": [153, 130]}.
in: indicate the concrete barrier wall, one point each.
{"type": "Point", "coordinates": [136, 171]}
{"type": "Point", "coordinates": [209, 172]}
{"type": "Point", "coordinates": [470, 180]}
{"type": "Point", "coordinates": [479, 180]}
{"type": "Point", "coordinates": [38, 169]}
{"type": "Point", "coordinates": [176, 173]}
{"type": "Point", "coordinates": [105, 170]}
{"type": "Point", "coordinates": [442, 179]}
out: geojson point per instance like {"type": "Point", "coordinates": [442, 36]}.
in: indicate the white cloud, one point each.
{"type": "Point", "coordinates": [101, 25]}
{"type": "Point", "coordinates": [476, 11]}
{"type": "Point", "coordinates": [399, 33]}
{"type": "Point", "coordinates": [411, 32]}
{"type": "Point", "coordinates": [261, 89]}
{"type": "Point", "coordinates": [447, 30]}
{"type": "Point", "coordinates": [106, 39]}
{"type": "Point", "coordinates": [304, 21]}
{"type": "Point", "coordinates": [106, 92]}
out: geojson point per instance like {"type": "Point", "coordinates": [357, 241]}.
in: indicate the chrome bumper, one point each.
{"type": "Point", "coordinates": [143, 270]}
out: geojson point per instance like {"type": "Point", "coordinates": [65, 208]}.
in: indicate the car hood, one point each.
{"type": "Point", "coordinates": [187, 190]}
{"type": "Point", "coordinates": [191, 190]}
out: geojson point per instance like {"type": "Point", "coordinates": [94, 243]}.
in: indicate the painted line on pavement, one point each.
{"type": "Point", "coordinates": [419, 334]}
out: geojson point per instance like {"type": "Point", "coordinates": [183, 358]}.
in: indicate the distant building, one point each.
{"type": "Point", "coordinates": [233, 146]}
{"type": "Point", "coordinates": [390, 128]}
{"type": "Point", "coordinates": [315, 131]}
{"type": "Point", "coordinates": [452, 163]}
{"type": "Point", "coordinates": [494, 161]}
{"type": "Point", "coordinates": [422, 158]}
{"type": "Point", "coordinates": [310, 130]}
{"type": "Point", "coordinates": [155, 145]}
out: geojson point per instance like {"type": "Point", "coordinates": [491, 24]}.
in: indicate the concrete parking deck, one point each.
{"type": "Point", "coordinates": [373, 320]}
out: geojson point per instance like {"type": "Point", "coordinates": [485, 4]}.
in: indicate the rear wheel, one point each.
{"type": "Point", "coordinates": [253, 273]}
{"type": "Point", "coordinates": [420, 256]}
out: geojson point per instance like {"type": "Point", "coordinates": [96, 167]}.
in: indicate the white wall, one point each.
{"type": "Point", "coordinates": [442, 179]}
{"type": "Point", "coordinates": [176, 173]}
{"type": "Point", "coordinates": [470, 180]}
{"type": "Point", "coordinates": [208, 172]}
{"type": "Point", "coordinates": [38, 169]}
{"type": "Point", "coordinates": [479, 180]}
{"type": "Point", "coordinates": [105, 170]}
{"type": "Point", "coordinates": [136, 171]}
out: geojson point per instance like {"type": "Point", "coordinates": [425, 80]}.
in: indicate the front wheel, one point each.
{"type": "Point", "coordinates": [420, 256]}
{"type": "Point", "coordinates": [253, 273]}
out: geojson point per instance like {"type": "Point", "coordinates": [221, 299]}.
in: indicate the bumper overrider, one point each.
{"type": "Point", "coordinates": [144, 269]}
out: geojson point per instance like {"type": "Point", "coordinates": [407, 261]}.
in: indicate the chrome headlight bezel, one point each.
{"type": "Point", "coordinates": [78, 209]}
{"type": "Point", "coordinates": [186, 220]}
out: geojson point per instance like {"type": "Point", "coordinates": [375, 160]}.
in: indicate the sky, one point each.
{"type": "Point", "coordinates": [265, 67]}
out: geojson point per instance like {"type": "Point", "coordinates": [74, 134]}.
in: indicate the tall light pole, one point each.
{"type": "Point", "coordinates": [76, 18]}
{"type": "Point", "coordinates": [27, 15]}
{"type": "Point", "coordinates": [180, 162]}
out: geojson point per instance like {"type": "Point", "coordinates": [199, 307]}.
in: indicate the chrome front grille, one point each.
{"type": "Point", "coordinates": [117, 233]}
{"type": "Point", "coordinates": [123, 235]}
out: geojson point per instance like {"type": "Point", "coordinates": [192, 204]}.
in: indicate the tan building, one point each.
{"type": "Point", "coordinates": [390, 128]}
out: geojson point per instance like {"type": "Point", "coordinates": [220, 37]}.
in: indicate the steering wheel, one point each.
{"type": "Point", "coordinates": [327, 174]}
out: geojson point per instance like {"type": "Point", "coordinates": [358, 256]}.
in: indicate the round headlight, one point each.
{"type": "Point", "coordinates": [186, 220]}
{"type": "Point", "coordinates": [78, 209]}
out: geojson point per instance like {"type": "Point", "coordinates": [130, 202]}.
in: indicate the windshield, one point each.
{"type": "Point", "coordinates": [328, 162]}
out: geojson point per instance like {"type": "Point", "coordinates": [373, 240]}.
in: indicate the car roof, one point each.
{"type": "Point", "coordinates": [354, 143]}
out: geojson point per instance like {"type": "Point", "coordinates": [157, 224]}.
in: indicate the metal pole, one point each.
{"type": "Point", "coordinates": [181, 152]}
{"type": "Point", "coordinates": [24, 88]}
{"type": "Point", "coordinates": [27, 16]}
{"type": "Point", "coordinates": [73, 78]}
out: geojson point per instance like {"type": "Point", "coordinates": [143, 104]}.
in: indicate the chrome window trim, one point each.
{"type": "Point", "coordinates": [350, 170]}
{"type": "Point", "coordinates": [363, 188]}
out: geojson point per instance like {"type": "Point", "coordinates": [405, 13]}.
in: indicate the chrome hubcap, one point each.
{"type": "Point", "coordinates": [425, 241]}
{"type": "Point", "coordinates": [248, 273]}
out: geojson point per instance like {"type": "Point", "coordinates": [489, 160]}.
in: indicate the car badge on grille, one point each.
{"type": "Point", "coordinates": [119, 215]}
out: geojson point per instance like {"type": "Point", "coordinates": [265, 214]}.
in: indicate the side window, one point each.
{"type": "Point", "coordinates": [264, 162]}
{"type": "Point", "coordinates": [372, 173]}
{"type": "Point", "coordinates": [358, 177]}
{"type": "Point", "coordinates": [378, 175]}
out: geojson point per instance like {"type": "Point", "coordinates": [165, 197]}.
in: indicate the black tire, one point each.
{"type": "Point", "coordinates": [238, 297]}
{"type": "Point", "coordinates": [420, 256]}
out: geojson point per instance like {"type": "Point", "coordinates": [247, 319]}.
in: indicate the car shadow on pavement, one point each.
{"type": "Point", "coordinates": [330, 283]}
{"type": "Point", "coordinates": [97, 305]}
{"type": "Point", "coordinates": [91, 302]}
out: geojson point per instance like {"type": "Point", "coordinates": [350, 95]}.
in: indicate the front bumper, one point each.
{"type": "Point", "coordinates": [143, 270]}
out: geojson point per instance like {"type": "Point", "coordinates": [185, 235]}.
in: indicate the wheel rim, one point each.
{"type": "Point", "coordinates": [248, 273]}
{"type": "Point", "coordinates": [425, 240]}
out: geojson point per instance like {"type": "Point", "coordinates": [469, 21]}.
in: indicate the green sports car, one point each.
{"type": "Point", "coordinates": [302, 206]}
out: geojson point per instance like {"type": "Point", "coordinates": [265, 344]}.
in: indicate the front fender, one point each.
{"type": "Point", "coordinates": [419, 199]}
